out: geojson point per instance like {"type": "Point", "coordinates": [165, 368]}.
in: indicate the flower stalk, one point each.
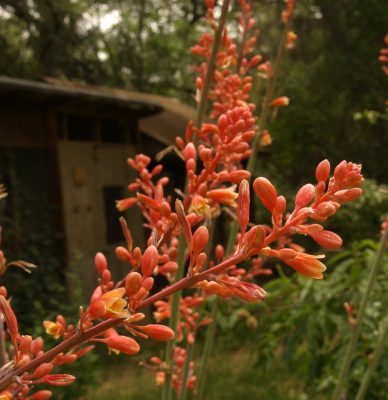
{"type": "Point", "coordinates": [167, 388]}
{"type": "Point", "coordinates": [189, 356]}
{"type": "Point", "coordinates": [233, 230]}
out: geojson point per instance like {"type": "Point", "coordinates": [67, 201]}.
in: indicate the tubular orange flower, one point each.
{"type": "Point", "coordinates": [327, 239]}
{"type": "Point", "coordinates": [57, 379]}
{"type": "Point", "coordinates": [124, 204]}
{"type": "Point", "coordinates": [149, 261]}
{"type": "Point", "coordinates": [41, 395]}
{"type": "Point", "coordinates": [223, 196]}
{"type": "Point", "coordinates": [10, 319]}
{"type": "Point", "coordinates": [291, 39]}
{"type": "Point", "coordinates": [280, 102]}
{"type": "Point", "coordinates": [110, 305]}
{"type": "Point", "coordinates": [307, 264]}
{"type": "Point", "coordinates": [158, 332]}
{"type": "Point", "coordinates": [243, 205]}
{"type": "Point", "coordinates": [123, 344]}
{"type": "Point", "coordinates": [6, 395]}
{"type": "Point", "coordinates": [200, 206]}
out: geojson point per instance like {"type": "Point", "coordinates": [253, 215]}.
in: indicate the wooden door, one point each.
{"type": "Point", "coordinates": [94, 175]}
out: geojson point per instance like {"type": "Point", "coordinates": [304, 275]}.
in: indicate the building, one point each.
{"type": "Point", "coordinates": [63, 149]}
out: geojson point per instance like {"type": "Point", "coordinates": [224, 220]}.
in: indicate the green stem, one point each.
{"type": "Point", "coordinates": [186, 369]}
{"type": "Point", "coordinates": [207, 349]}
{"type": "Point", "coordinates": [340, 389]}
{"type": "Point", "coordinates": [167, 388]}
{"type": "Point", "coordinates": [175, 300]}
{"type": "Point", "coordinates": [374, 361]}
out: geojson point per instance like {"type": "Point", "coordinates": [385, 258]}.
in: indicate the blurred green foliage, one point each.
{"type": "Point", "coordinates": [301, 330]}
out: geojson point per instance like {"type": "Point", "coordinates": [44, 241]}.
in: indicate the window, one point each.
{"type": "Point", "coordinates": [113, 228]}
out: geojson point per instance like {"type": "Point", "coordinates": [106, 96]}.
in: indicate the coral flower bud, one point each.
{"type": "Point", "coordinates": [186, 229]}
{"type": "Point", "coordinates": [6, 395]}
{"type": "Point", "coordinates": [123, 254]}
{"type": "Point", "coordinates": [266, 192]}
{"type": "Point", "coordinates": [238, 175]}
{"type": "Point", "coordinates": [348, 195]}
{"type": "Point", "coordinates": [41, 395]}
{"type": "Point", "coordinates": [189, 151]}
{"type": "Point", "coordinates": [37, 345]}
{"type": "Point", "coordinates": [160, 378]}
{"type": "Point", "coordinates": [25, 342]}
{"type": "Point", "coordinates": [148, 283]}
{"type": "Point", "coordinates": [200, 239]}
{"type": "Point", "coordinates": [124, 204]}
{"type": "Point", "coordinates": [340, 171]}
{"type": "Point", "coordinates": [10, 318]}
{"type": "Point", "coordinates": [169, 267]}
{"type": "Point", "coordinates": [326, 209]}
{"type": "Point", "coordinates": [133, 282]}
{"type": "Point", "coordinates": [149, 261]}
{"type": "Point", "coordinates": [277, 213]}
{"type": "Point", "coordinates": [307, 265]}
{"type": "Point", "coordinates": [3, 290]}
{"type": "Point", "coordinates": [348, 308]}
{"type": "Point", "coordinates": [305, 195]}
{"type": "Point", "coordinates": [281, 102]}
{"type": "Point", "coordinates": [58, 379]}
{"type": "Point", "coordinates": [42, 370]}
{"type": "Point", "coordinates": [101, 263]}
{"type": "Point", "coordinates": [243, 205]}
{"type": "Point", "coordinates": [156, 360]}
{"type": "Point", "coordinates": [253, 239]}
{"type": "Point", "coordinates": [123, 344]}
{"type": "Point", "coordinates": [158, 332]}
{"type": "Point", "coordinates": [323, 171]}
{"type": "Point", "coordinates": [219, 252]}
{"type": "Point", "coordinates": [223, 196]}
{"type": "Point", "coordinates": [327, 239]}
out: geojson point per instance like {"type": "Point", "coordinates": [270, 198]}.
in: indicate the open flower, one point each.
{"type": "Point", "coordinates": [54, 329]}
{"type": "Point", "coordinates": [225, 196]}
{"type": "Point", "coordinates": [110, 305]}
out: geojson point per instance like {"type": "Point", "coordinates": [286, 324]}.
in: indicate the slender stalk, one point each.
{"type": "Point", "coordinates": [167, 388]}
{"type": "Point", "coordinates": [242, 45]}
{"type": "Point", "coordinates": [207, 349]}
{"type": "Point", "coordinates": [186, 369]}
{"type": "Point", "coordinates": [211, 64]}
{"type": "Point", "coordinates": [79, 338]}
{"type": "Point", "coordinates": [340, 389]}
{"type": "Point", "coordinates": [374, 361]}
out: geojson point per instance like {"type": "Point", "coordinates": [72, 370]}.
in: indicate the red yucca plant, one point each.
{"type": "Point", "coordinates": [213, 152]}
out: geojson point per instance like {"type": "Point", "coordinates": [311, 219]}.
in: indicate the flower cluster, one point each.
{"type": "Point", "coordinates": [179, 243]}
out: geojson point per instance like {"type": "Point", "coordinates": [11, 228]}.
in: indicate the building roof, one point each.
{"type": "Point", "coordinates": [161, 117]}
